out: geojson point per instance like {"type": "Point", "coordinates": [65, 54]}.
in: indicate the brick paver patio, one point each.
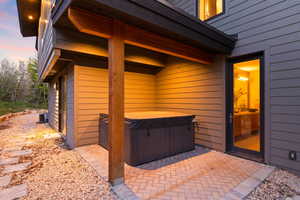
{"type": "Point", "coordinates": [199, 174]}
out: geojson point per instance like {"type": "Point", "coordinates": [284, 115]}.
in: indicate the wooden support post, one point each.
{"type": "Point", "coordinates": [116, 104]}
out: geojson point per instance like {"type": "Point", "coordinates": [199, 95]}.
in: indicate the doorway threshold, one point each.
{"type": "Point", "coordinates": [253, 157]}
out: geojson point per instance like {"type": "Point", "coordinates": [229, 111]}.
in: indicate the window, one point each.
{"type": "Point", "coordinates": [210, 8]}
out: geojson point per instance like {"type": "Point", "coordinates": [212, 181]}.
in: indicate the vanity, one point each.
{"type": "Point", "coordinates": [246, 123]}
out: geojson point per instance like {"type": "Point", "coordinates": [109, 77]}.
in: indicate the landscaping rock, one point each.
{"type": "Point", "coordinates": [12, 149]}
{"type": "Point", "coordinates": [5, 180]}
{"type": "Point", "coordinates": [14, 192]}
{"type": "Point", "coordinates": [279, 185]}
{"type": "Point", "coordinates": [9, 161]}
{"type": "Point", "coordinates": [16, 168]}
{"type": "Point", "coordinates": [52, 136]}
{"type": "Point", "coordinates": [56, 172]}
{"type": "Point", "coordinates": [297, 197]}
{"type": "Point", "coordinates": [20, 153]}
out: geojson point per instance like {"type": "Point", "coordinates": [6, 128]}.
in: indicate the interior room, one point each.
{"type": "Point", "coordinates": [210, 8]}
{"type": "Point", "coordinates": [247, 105]}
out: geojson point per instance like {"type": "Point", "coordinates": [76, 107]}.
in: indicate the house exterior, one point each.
{"type": "Point", "coordinates": [233, 64]}
{"type": "Point", "coordinates": [271, 27]}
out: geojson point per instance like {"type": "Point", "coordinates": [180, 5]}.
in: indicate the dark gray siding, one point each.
{"type": "Point", "coordinates": [187, 5]}
{"type": "Point", "coordinates": [271, 26]}
{"type": "Point", "coordinates": [70, 108]}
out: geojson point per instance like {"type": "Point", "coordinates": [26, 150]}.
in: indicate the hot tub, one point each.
{"type": "Point", "coordinates": [152, 135]}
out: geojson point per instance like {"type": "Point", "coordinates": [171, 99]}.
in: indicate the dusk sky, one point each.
{"type": "Point", "coordinates": [12, 45]}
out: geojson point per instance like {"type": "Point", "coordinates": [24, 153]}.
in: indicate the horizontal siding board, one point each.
{"type": "Point", "coordinates": [197, 83]}
{"type": "Point", "coordinates": [214, 101]}
{"type": "Point", "coordinates": [288, 101]}
{"type": "Point", "coordinates": [285, 83]}
{"type": "Point", "coordinates": [284, 162]}
{"type": "Point", "coordinates": [286, 127]}
{"type": "Point", "coordinates": [280, 109]}
{"type": "Point", "coordinates": [287, 74]}
{"type": "Point", "coordinates": [290, 137]}
{"type": "Point", "coordinates": [190, 95]}
{"type": "Point", "coordinates": [286, 65]}
{"type": "Point", "coordinates": [286, 118]}
{"type": "Point", "coordinates": [287, 47]}
{"type": "Point", "coordinates": [285, 92]}
{"type": "Point", "coordinates": [293, 55]}
{"type": "Point", "coordinates": [192, 106]}
{"type": "Point", "coordinates": [287, 145]}
{"type": "Point", "coordinates": [210, 144]}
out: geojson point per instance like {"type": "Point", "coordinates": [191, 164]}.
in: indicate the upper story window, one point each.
{"type": "Point", "coordinates": [210, 8]}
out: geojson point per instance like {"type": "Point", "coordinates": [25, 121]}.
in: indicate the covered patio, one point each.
{"type": "Point", "coordinates": [142, 31]}
{"type": "Point", "coordinates": [198, 174]}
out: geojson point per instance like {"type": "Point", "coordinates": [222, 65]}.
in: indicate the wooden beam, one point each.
{"type": "Point", "coordinates": [101, 26]}
{"type": "Point", "coordinates": [89, 23]}
{"type": "Point", "coordinates": [116, 104]}
{"type": "Point", "coordinates": [145, 39]}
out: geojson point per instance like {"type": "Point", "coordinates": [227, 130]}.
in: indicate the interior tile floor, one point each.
{"type": "Point", "coordinates": [199, 174]}
{"type": "Point", "coordinates": [251, 143]}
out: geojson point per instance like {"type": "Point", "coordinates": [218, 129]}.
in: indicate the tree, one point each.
{"type": "Point", "coordinates": [19, 83]}
{"type": "Point", "coordinates": [13, 81]}
{"type": "Point", "coordinates": [39, 90]}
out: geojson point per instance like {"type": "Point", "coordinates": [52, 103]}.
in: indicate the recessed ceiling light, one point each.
{"type": "Point", "coordinates": [242, 78]}
{"type": "Point", "coordinates": [30, 17]}
{"type": "Point", "coordinates": [249, 69]}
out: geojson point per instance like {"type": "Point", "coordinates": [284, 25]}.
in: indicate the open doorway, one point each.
{"type": "Point", "coordinates": [245, 106]}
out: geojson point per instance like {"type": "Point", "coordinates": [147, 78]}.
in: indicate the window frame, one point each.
{"type": "Point", "coordinates": [213, 17]}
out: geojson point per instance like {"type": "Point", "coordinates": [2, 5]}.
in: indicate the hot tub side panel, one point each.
{"type": "Point", "coordinates": [152, 139]}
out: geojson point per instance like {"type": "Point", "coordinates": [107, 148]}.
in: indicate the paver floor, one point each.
{"type": "Point", "coordinates": [199, 174]}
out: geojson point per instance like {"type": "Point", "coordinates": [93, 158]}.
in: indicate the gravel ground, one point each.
{"type": "Point", "coordinates": [278, 186]}
{"type": "Point", "coordinates": [56, 172]}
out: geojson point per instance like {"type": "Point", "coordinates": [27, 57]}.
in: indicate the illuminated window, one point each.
{"type": "Point", "coordinates": [210, 8]}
